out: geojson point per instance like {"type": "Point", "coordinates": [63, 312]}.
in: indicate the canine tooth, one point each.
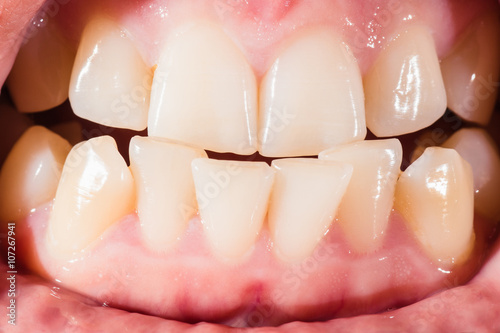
{"type": "Point", "coordinates": [40, 76]}
{"type": "Point", "coordinates": [232, 198]}
{"type": "Point", "coordinates": [166, 197]}
{"type": "Point", "coordinates": [435, 195]}
{"type": "Point", "coordinates": [471, 71]}
{"type": "Point", "coordinates": [371, 187]}
{"type": "Point", "coordinates": [404, 89]}
{"type": "Point", "coordinates": [30, 175]}
{"type": "Point", "coordinates": [303, 203]}
{"type": "Point", "coordinates": [313, 90]}
{"type": "Point", "coordinates": [477, 148]}
{"type": "Point", "coordinates": [95, 190]}
{"type": "Point", "coordinates": [110, 83]}
{"type": "Point", "coordinates": [204, 92]}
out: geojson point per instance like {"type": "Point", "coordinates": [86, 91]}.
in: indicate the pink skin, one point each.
{"type": "Point", "coordinates": [55, 309]}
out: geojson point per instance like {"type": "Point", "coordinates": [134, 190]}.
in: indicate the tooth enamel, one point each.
{"type": "Point", "coordinates": [40, 76]}
{"type": "Point", "coordinates": [30, 175]}
{"type": "Point", "coordinates": [404, 89]}
{"type": "Point", "coordinates": [303, 204]}
{"type": "Point", "coordinates": [232, 198]}
{"type": "Point", "coordinates": [376, 167]}
{"type": "Point", "coordinates": [110, 83]}
{"type": "Point", "coordinates": [204, 92]}
{"type": "Point", "coordinates": [95, 190]}
{"type": "Point", "coordinates": [313, 90]}
{"type": "Point", "coordinates": [471, 71]}
{"type": "Point", "coordinates": [477, 148]}
{"type": "Point", "coordinates": [435, 196]}
{"type": "Point", "coordinates": [166, 197]}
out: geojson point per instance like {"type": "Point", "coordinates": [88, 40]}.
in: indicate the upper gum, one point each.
{"type": "Point", "coordinates": [384, 19]}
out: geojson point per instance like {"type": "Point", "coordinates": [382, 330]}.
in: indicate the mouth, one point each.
{"type": "Point", "coordinates": [220, 164]}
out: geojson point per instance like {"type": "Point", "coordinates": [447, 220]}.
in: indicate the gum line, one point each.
{"type": "Point", "coordinates": [331, 283]}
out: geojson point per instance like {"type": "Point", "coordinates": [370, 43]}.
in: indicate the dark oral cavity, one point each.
{"type": "Point", "coordinates": [245, 294]}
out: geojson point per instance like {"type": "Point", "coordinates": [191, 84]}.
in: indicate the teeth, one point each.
{"type": "Point", "coordinates": [477, 148]}
{"type": "Point", "coordinates": [232, 198]}
{"type": "Point", "coordinates": [376, 167]}
{"type": "Point", "coordinates": [96, 189]}
{"type": "Point", "coordinates": [40, 76]}
{"type": "Point", "coordinates": [303, 203]}
{"type": "Point", "coordinates": [404, 89]}
{"type": "Point", "coordinates": [435, 196]}
{"type": "Point", "coordinates": [30, 175]}
{"type": "Point", "coordinates": [313, 90]}
{"type": "Point", "coordinates": [166, 197]}
{"type": "Point", "coordinates": [204, 82]}
{"type": "Point", "coordinates": [110, 83]}
{"type": "Point", "coordinates": [471, 71]}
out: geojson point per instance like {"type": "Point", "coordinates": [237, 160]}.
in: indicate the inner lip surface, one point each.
{"type": "Point", "coordinates": [98, 314]}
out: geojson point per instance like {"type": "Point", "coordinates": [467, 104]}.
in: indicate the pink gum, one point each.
{"type": "Point", "coordinates": [190, 285]}
{"type": "Point", "coordinates": [260, 28]}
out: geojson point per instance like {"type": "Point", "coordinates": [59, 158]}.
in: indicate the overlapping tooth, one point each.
{"type": "Point", "coordinates": [435, 195]}
{"type": "Point", "coordinates": [204, 92]}
{"type": "Point", "coordinates": [110, 83]}
{"type": "Point", "coordinates": [477, 148]}
{"type": "Point", "coordinates": [313, 90]}
{"type": "Point", "coordinates": [95, 190]}
{"type": "Point", "coordinates": [40, 76]}
{"type": "Point", "coordinates": [367, 203]}
{"type": "Point", "coordinates": [404, 89]}
{"type": "Point", "coordinates": [166, 197]}
{"type": "Point", "coordinates": [31, 172]}
{"type": "Point", "coordinates": [471, 71]}
{"type": "Point", "coordinates": [232, 199]}
{"type": "Point", "coordinates": [304, 203]}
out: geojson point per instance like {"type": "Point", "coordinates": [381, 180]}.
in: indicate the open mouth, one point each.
{"type": "Point", "coordinates": [308, 165]}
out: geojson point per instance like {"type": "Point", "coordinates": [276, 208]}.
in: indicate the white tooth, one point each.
{"type": "Point", "coordinates": [110, 83]}
{"type": "Point", "coordinates": [313, 90]}
{"type": "Point", "coordinates": [204, 92]}
{"type": "Point", "coordinates": [166, 197]}
{"type": "Point", "coordinates": [367, 203]}
{"type": "Point", "coordinates": [471, 71]}
{"type": "Point", "coordinates": [232, 198]}
{"type": "Point", "coordinates": [96, 189]}
{"type": "Point", "coordinates": [31, 172]}
{"type": "Point", "coordinates": [40, 76]}
{"type": "Point", "coordinates": [477, 148]}
{"type": "Point", "coordinates": [435, 195]}
{"type": "Point", "coordinates": [303, 203]}
{"type": "Point", "coordinates": [404, 89]}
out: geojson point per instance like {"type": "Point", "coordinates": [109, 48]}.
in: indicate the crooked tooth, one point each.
{"type": "Point", "coordinates": [404, 89]}
{"type": "Point", "coordinates": [40, 76]}
{"type": "Point", "coordinates": [471, 71]}
{"type": "Point", "coordinates": [313, 90]}
{"type": "Point", "coordinates": [31, 172]}
{"type": "Point", "coordinates": [371, 187]}
{"type": "Point", "coordinates": [435, 195]}
{"type": "Point", "coordinates": [232, 198]}
{"type": "Point", "coordinates": [95, 190]}
{"type": "Point", "coordinates": [477, 148]}
{"type": "Point", "coordinates": [303, 203]}
{"type": "Point", "coordinates": [110, 83]}
{"type": "Point", "coordinates": [204, 92]}
{"type": "Point", "coordinates": [166, 197]}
